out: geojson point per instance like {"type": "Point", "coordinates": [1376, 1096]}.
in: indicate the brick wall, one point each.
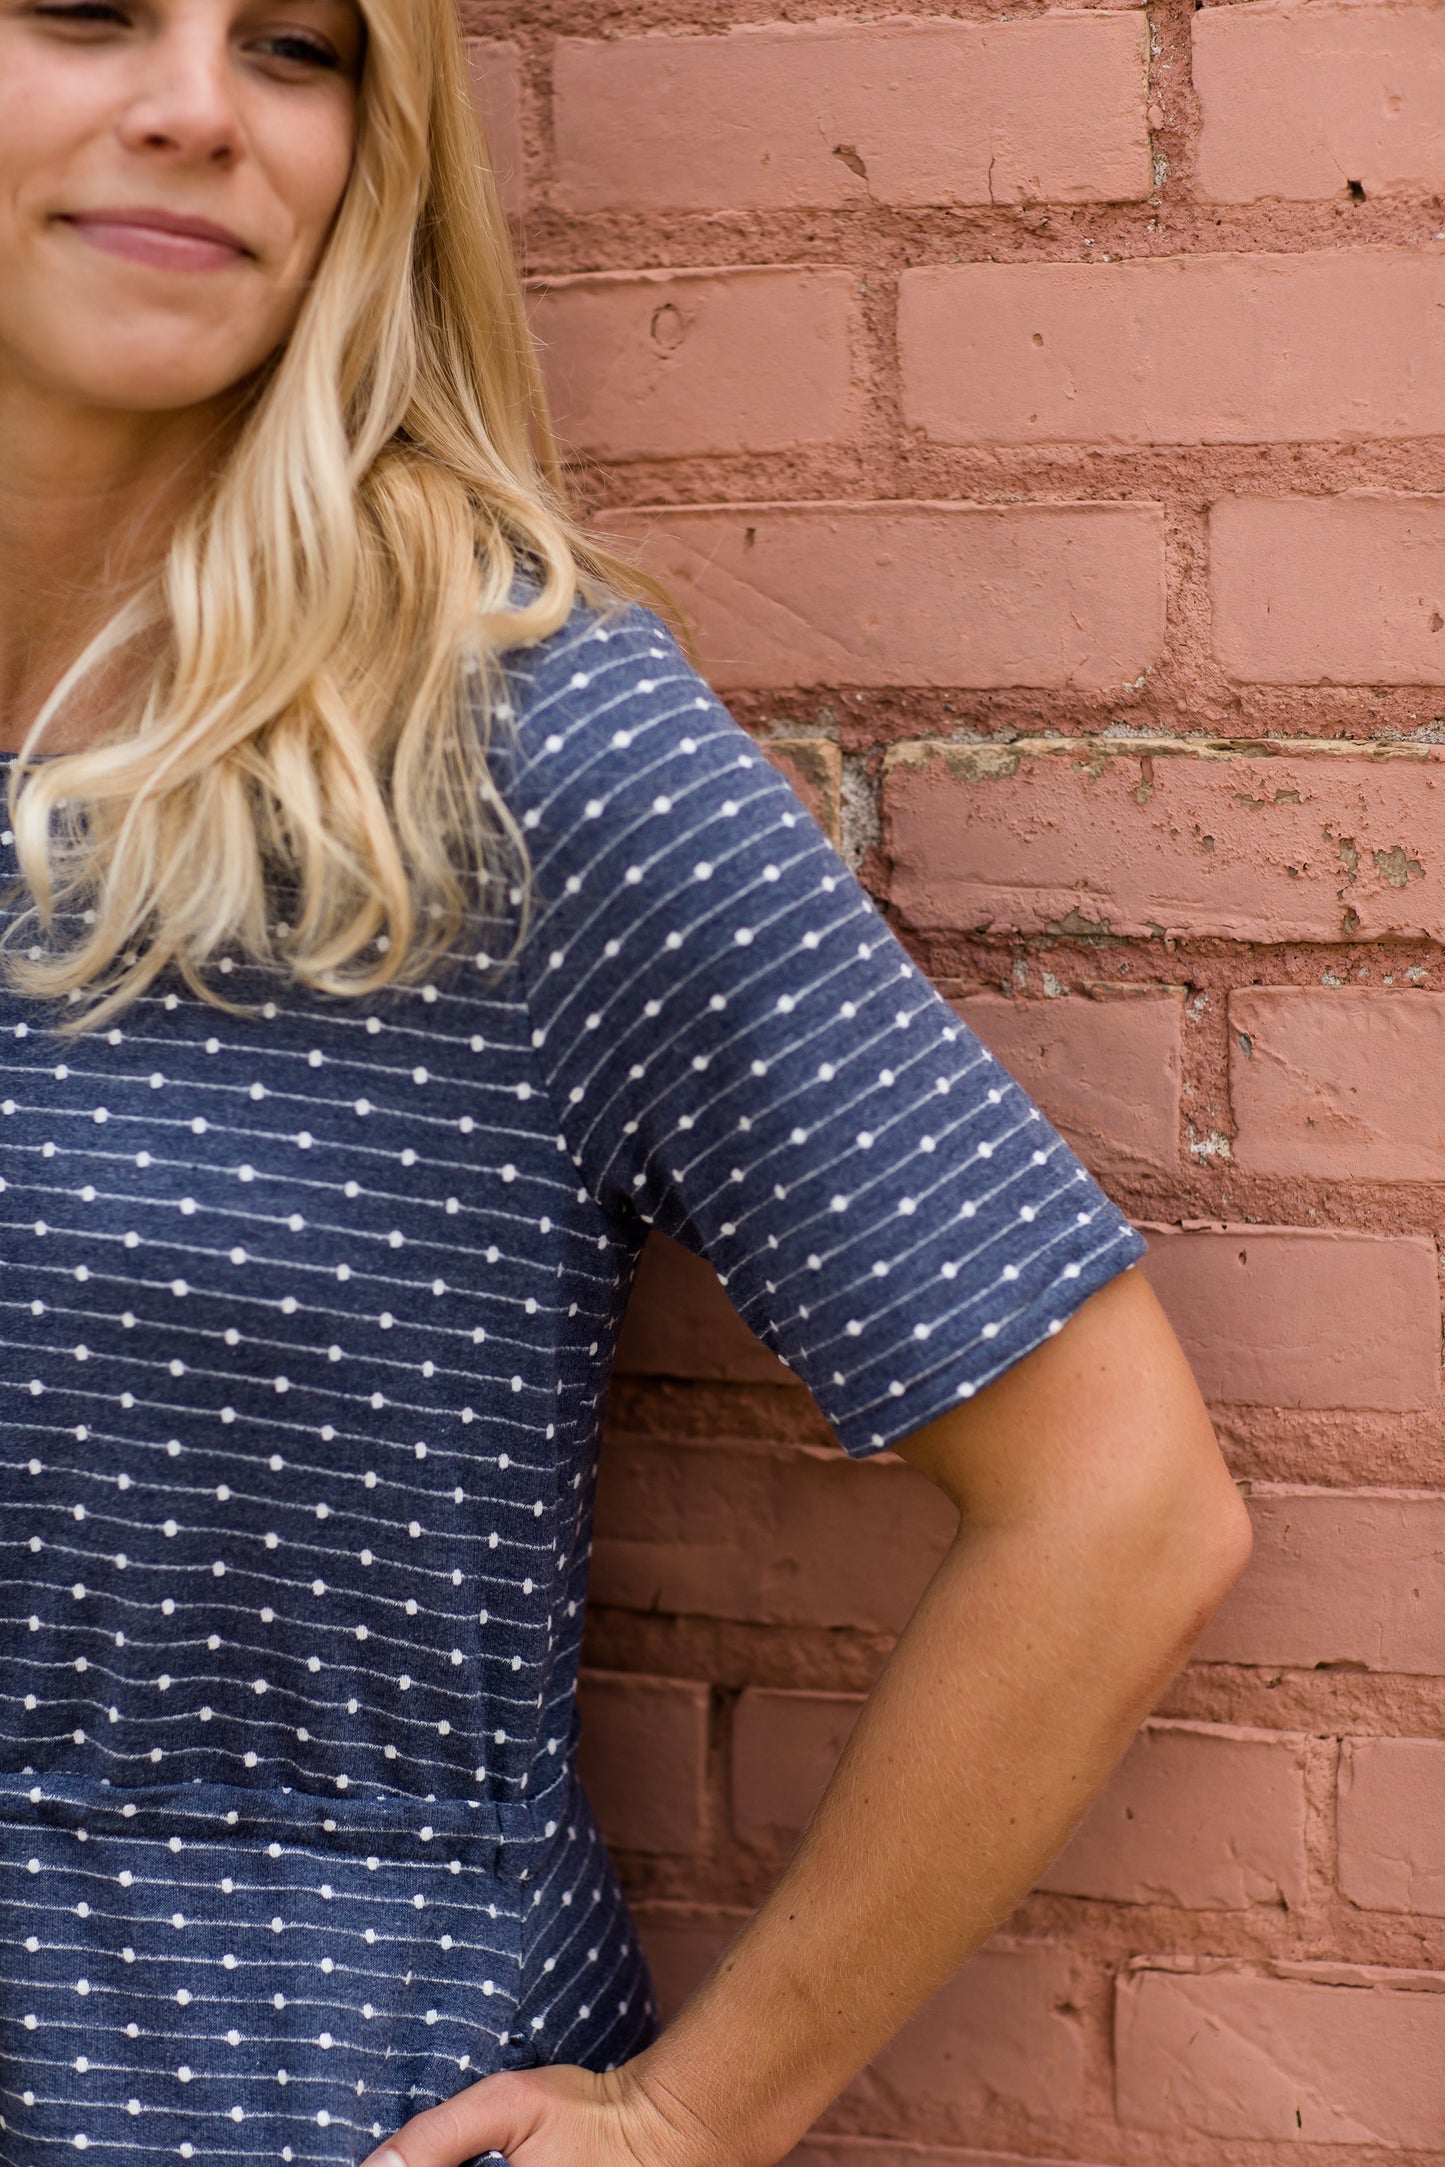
{"type": "Point", "coordinates": [1039, 412]}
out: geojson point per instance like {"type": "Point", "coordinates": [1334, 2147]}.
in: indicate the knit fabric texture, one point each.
{"type": "Point", "coordinates": [306, 1320]}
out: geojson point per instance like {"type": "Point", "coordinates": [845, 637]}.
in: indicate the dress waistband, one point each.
{"type": "Point", "coordinates": [503, 1836]}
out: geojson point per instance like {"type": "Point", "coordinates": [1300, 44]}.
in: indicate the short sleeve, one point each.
{"type": "Point", "coordinates": [743, 1054]}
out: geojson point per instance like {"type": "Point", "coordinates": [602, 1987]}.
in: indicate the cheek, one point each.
{"type": "Point", "coordinates": [308, 169]}
{"type": "Point", "coordinates": [44, 124]}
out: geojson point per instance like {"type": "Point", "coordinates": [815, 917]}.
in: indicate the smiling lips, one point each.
{"type": "Point", "coordinates": [161, 239]}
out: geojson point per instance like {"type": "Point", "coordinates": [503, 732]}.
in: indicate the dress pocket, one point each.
{"type": "Point", "coordinates": [243, 1975]}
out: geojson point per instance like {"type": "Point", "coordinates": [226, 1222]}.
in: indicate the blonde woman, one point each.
{"type": "Point", "coordinates": [396, 929]}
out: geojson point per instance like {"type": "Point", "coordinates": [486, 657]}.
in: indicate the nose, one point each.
{"type": "Point", "coordinates": [184, 103]}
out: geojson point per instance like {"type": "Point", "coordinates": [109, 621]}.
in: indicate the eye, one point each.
{"type": "Point", "coordinates": [301, 51]}
{"type": "Point", "coordinates": [83, 12]}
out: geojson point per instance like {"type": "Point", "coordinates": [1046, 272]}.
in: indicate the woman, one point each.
{"type": "Point", "coordinates": [397, 928]}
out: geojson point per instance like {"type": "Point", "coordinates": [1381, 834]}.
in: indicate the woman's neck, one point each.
{"type": "Point", "coordinates": [88, 501]}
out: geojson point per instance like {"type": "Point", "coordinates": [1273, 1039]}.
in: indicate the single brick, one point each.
{"type": "Point", "coordinates": [765, 1537]}
{"type": "Point", "coordinates": [1391, 1827]}
{"type": "Point", "coordinates": [497, 81]}
{"type": "Point", "coordinates": [1299, 1317]}
{"type": "Point", "coordinates": [1346, 590]}
{"type": "Point", "coordinates": [814, 767]}
{"type": "Point", "coordinates": [1354, 1578]}
{"type": "Point", "coordinates": [1337, 1084]}
{"type": "Point", "coordinates": [797, 115]}
{"type": "Point", "coordinates": [1354, 2057]}
{"type": "Point", "coordinates": [1199, 1815]}
{"type": "Point", "coordinates": [1105, 1070]}
{"type": "Point", "coordinates": [1175, 350]}
{"type": "Point", "coordinates": [914, 594]}
{"type": "Point", "coordinates": [785, 1746]}
{"type": "Point", "coordinates": [1143, 838]}
{"type": "Point", "coordinates": [643, 1759]}
{"type": "Point", "coordinates": [683, 1942]}
{"type": "Point", "coordinates": [1005, 2031]}
{"type": "Point", "coordinates": [663, 364]}
{"type": "Point", "coordinates": [1304, 103]}
{"type": "Point", "coordinates": [680, 1323]}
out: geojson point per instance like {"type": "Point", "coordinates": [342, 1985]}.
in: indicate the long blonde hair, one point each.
{"type": "Point", "coordinates": [328, 619]}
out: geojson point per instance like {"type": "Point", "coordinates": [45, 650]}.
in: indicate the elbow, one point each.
{"type": "Point", "coordinates": [1202, 1543]}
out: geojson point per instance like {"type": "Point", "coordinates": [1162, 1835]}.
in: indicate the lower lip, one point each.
{"type": "Point", "coordinates": [159, 250]}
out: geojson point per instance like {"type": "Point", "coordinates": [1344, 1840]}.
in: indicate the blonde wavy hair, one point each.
{"type": "Point", "coordinates": [328, 621]}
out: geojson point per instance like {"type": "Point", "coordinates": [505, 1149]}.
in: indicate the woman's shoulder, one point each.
{"type": "Point", "coordinates": [612, 674]}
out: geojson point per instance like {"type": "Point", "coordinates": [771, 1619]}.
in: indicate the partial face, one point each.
{"type": "Point", "coordinates": [169, 174]}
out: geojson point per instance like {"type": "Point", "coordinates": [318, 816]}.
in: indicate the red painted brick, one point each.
{"type": "Point", "coordinates": [1005, 2032]}
{"type": "Point", "coordinates": [1391, 1827]}
{"type": "Point", "coordinates": [875, 2152]}
{"type": "Point", "coordinates": [1338, 1084]}
{"type": "Point", "coordinates": [1293, 1317]}
{"type": "Point", "coordinates": [1329, 590]}
{"type": "Point", "coordinates": [785, 1746]}
{"type": "Point", "coordinates": [644, 1759]}
{"type": "Point", "coordinates": [1141, 838]}
{"type": "Point", "coordinates": [1105, 1070]}
{"type": "Point", "coordinates": [788, 116]}
{"type": "Point", "coordinates": [680, 1323]}
{"type": "Point", "coordinates": [1355, 1578]}
{"type": "Point", "coordinates": [683, 1941]}
{"type": "Point", "coordinates": [662, 364]}
{"type": "Point", "coordinates": [914, 594]}
{"type": "Point", "coordinates": [1197, 1815]}
{"type": "Point", "coordinates": [1175, 350]}
{"type": "Point", "coordinates": [497, 80]}
{"type": "Point", "coordinates": [782, 1538]}
{"type": "Point", "coordinates": [1299, 102]}
{"type": "Point", "coordinates": [1356, 2057]}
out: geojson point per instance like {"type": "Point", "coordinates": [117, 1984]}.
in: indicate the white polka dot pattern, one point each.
{"type": "Point", "coordinates": [306, 1317]}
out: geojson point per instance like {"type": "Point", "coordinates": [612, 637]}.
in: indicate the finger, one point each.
{"type": "Point", "coordinates": [489, 2117]}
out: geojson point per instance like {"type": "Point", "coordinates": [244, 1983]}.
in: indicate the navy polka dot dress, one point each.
{"type": "Point", "coordinates": [306, 1317]}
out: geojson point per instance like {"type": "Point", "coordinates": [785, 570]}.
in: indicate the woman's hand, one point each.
{"type": "Point", "coordinates": [557, 2117]}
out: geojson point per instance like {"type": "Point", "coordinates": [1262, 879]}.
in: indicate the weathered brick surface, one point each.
{"type": "Point", "coordinates": [785, 1747]}
{"type": "Point", "coordinates": [786, 116]}
{"type": "Point", "coordinates": [1339, 1084]}
{"type": "Point", "coordinates": [1339, 1577]}
{"type": "Point", "coordinates": [1037, 414]}
{"type": "Point", "coordinates": [1330, 590]}
{"type": "Point", "coordinates": [683, 1942]}
{"type": "Point", "coordinates": [915, 594]}
{"type": "Point", "coordinates": [1147, 840]}
{"type": "Point", "coordinates": [1300, 102]}
{"type": "Point", "coordinates": [869, 2152]}
{"type": "Point", "coordinates": [1198, 1815]}
{"type": "Point", "coordinates": [1005, 2031]}
{"type": "Point", "coordinates": [665, 364]}
{"type": "Point", "coordinates": [1177, 350]}
{"type": "Point", "coordinates": [681, 1324]}
{"type": "Point", "coordinates": [659, 1724]}
{"type": "Point", "coordinates": [1391, 1824]}
{"type": "Point", "coordinates": [496, 68]}
{"type": "Point", "coordinates": [765, 1537]}
{"type": "Point", "coordinates": [1355, 2059]}
{"type": "Point", "coordinates": [1105, 1070]}
{"type": "Point", "coordinates": [1283, 1317]}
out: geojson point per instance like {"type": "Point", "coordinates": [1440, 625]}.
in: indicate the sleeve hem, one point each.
{"type": "Point", "coordinates": [937, 1392]}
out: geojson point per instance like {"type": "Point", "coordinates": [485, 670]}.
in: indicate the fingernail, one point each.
{"type": "Point", "coordinates": [389, 2158]}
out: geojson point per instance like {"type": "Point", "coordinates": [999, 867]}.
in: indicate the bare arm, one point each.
{"type": "Point", "coordinates": [1098, 1530]}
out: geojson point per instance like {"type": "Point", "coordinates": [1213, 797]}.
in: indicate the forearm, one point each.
{"type": "Point", "coordinates": [1030, 1662]}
